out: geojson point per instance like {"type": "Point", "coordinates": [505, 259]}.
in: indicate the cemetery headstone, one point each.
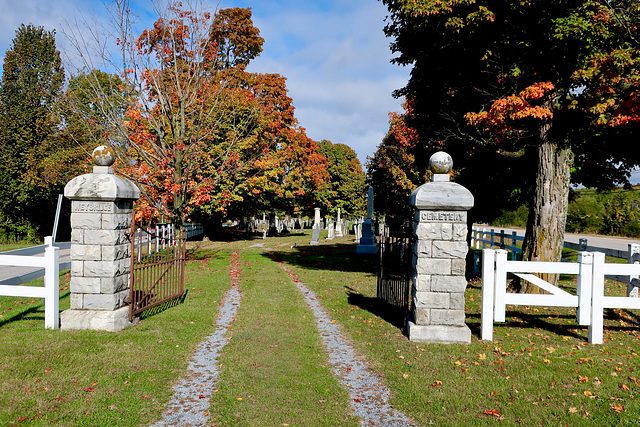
{"type": "Point", "coordinates": [316, 218]}
{"type": "Point", "coordinates": [339, 226]}
{"type": "Point", "coordinates": [332, 234]}
{"type": "Point", "coordinates": [315, 234]}
{"type": "Point", "coordinates": [368, 243]}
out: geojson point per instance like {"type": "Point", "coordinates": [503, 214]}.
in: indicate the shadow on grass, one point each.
{"type": "Point", "coordinates": [34, 313]}
{"type": "Point", "coordinates": [336, 257]}
{"type": "Point", "coordinates": [234, 235]}
{"type": "Point", "coordinates": [343, 257]}
{"type": "Point", "coordinates": [541, 322]}
{"type": "Point", "coordinates": [163, 307]}
{"type": "Point", "coordinates": [391, 314]}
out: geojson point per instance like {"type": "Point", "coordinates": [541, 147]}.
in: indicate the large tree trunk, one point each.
{"type": "Point", "coordinates": [544, 237]}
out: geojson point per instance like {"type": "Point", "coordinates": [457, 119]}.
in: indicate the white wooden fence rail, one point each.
{"type": "Point", "coordinates": [51, 290]}
{"type": "Point", "coordinates": [590, 299]}
{"type": "Point", "coordinates": [481, 238]}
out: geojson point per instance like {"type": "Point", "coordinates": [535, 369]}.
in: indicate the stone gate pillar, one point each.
{"type": "Point", "coordinates": [439, 254]}
{"type": "Point", "coordinates": [101, 214]}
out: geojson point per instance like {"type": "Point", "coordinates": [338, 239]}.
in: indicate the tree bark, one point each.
{"type": "Point", "coordinates": [544, 238]}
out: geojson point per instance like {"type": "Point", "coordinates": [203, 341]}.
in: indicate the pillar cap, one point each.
{"type": "Point", "coordinates": [101, 186]}
{"type": "Point", "coordinates": [440, 193]}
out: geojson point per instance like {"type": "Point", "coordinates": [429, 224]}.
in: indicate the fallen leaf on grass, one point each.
{"type": "Point", "coordinates": [493, 412]}
{"type": "Point", "coordinates": [89, 389]}
{"type": "Point", "coordinates": [573, 409]}
{"type": "Point", "coordinates": [624, 387]}
{"type": "Point", "coordinates": [437, 383]}
{"type": "Point", "coordinates": [617, 408]}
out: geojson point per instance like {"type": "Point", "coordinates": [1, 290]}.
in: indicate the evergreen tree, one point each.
{"type": "Point", "coordinates": [31, 81]}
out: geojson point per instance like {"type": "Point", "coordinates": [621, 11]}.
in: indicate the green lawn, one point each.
{"type": "Point", "coordinates": [274, 371]}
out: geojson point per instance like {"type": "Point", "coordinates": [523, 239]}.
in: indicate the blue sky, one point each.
{"type": "Point", "coordinates": [332, 52]}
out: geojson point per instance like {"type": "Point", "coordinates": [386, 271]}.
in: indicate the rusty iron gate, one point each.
{"type": "Point", "coordinates": [157, 267]}
{"type": "Point", "coordinates": [394, 271]}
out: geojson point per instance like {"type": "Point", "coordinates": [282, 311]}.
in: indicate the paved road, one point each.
{"type": "Point", "coordinates": [619, 243]}
{"type": "Point", "coordinates": [13, 275]}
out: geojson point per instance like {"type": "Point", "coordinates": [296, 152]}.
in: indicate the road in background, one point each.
{"type": "Point", "coordinates": [619, 243]}
{"type": "Point", "coordinates": [15, 275]}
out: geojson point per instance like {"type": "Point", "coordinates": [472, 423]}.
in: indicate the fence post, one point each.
{"type": "Point", "coordinates": [493, 238]}
{"type": "Point", "coordinates": [51, 284]}
{"type": "Point", "coordinates": [500, 284]}
{"type": "Point", "coordinates": [514, 244]}
{"type": "Point", "coordinates": [488, 293]}
{"type": "Point", "coordinates": [582, 244]}
{"type": "Point", "coordinates": [597, 300]}
{"type": "Point", "coordinates": [584, 287]}
{"type": "Point", "coordinates": [634, 258]}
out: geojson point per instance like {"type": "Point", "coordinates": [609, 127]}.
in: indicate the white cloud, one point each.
{"type": "Point", "coordinates": [336, 61]}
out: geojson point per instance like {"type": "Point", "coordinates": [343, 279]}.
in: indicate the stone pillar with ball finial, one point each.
{"type": "Point", "coordinates": [439, 257]}
{"type": "Point", "coordinates": [101, 215]}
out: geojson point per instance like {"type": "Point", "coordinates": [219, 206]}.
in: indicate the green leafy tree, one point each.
{"type": "Point", "coordinates": [31, 81]}
{"type": "Point", "coordinates": [87, 110]}
{"type": "Point", "coordinates": [346, 186]}
{"type": "Point", "coordinates": [553, 83]}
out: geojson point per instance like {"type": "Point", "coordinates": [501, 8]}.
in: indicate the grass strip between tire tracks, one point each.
{"type": "Point", "coordinates": [274, 369]}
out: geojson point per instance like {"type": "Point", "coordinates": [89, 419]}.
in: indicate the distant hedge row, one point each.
{"type": "Point", "coordinates": [614, 213]}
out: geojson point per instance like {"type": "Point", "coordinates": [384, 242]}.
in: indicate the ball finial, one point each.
{"type": "Point", "coordinates": [103, 156]}
{"type": "Point", "coordinates": [441, 163]}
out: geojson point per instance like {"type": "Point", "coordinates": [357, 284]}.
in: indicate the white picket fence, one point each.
{"type": "Point", "coordinates": [51, 289]}
{"type": "Point", "coordinates": [162, 235]}
{"type": "Point", "coordinates": [590, 298]}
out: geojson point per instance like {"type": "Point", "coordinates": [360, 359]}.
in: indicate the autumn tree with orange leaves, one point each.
{"type": "Point", "coordinates": [551, 86]}
{"type": "Point", "coordinates": [199, 131]}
